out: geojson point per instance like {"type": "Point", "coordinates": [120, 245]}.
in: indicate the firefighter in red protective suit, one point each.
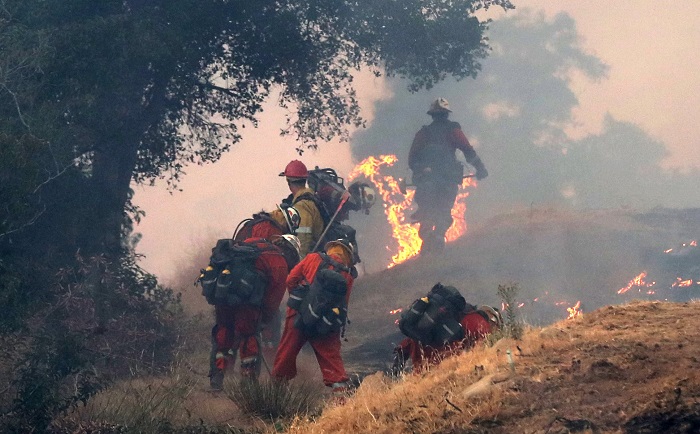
{"type": "Point", "coordinates": [437, 174]}
{"type": "Point", "coordinates": [476, 323]}
{"type": "Point", "coordinates": [326, 347]}
{"type": "Point", "coordinates": [302, 198]}
{"type": "Point", "coordinates": [237, 326]}
{"type": "Point", "coordinates": [283, 220]}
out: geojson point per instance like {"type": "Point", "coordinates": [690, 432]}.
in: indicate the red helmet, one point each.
{"type": "Point", "coordinates": [295, 169]}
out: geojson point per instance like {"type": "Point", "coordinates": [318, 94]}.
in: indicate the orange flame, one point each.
{"type": "Point", "coordinates": [396, 204]}
{"type": "Point", "coordinates": [679, 283]}
{"type": "Point", "coordinates": [637, 281]}
{"type": "Point", "coordinates": [395, 311]}
{"type": "Point", "coordinates": [575, 311]}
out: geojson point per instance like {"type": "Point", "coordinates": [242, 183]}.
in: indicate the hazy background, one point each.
{"type": "Point", "coordinates": [581, 104]}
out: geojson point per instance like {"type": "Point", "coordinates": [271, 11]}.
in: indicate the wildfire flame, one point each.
{"type": "Point", "coordinates": [396, 204]}
{"type": "Point", "coordinates": [636, 282]}
{"type": "Point", "coordinates": [680, 283]}
{"type": "Point", "coordinates": [575, 311]}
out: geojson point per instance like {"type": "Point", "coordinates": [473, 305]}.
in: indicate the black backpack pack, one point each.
{"type": "Point", "coordinates": [434, 319]}
{"type": "Point", "coordinates": [321, 304]}
{"type": "Point", "coordinates": [231, 277]}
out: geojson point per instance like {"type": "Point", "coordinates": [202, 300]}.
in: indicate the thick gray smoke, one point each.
{"type": "Point", "coordinates": [515, 113]}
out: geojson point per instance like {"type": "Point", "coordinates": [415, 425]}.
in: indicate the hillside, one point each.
{"type": "Point", "coordinates": [621, 369]}
{"type": "Point", "coordinates": [557, 258]}
{"type": "Point", "coordinates": [628, 364]}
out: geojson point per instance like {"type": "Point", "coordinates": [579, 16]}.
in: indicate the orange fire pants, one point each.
{"type": "Point", "coordinates": [326, 348]}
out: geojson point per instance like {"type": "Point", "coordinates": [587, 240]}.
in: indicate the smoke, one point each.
{"type": "Point", "coordinates": [519, 114]}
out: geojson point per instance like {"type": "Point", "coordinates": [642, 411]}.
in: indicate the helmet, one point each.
{"type": "Point", "coordinates": [369, 196]}
{"type": "Point", "coordinates": [295, 169]}
{"type": "Point", "coordinates": [291, 216]}
{"type": "Point", "coordinates": [440, 105]}
{"type": "Point", "coordinates": [344, 243]}
{"type": "Point", "coordinates": [291, 248]}
{"type": "Point", "coordinates": [494, 315]}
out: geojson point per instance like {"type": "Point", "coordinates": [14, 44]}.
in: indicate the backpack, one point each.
{"type": "Point", "coordinates": [244, 230]}
{"type": "Point", "coordinates": [434, 319]}
{"type": "Point", "coordinates": [337, 231]}
{"type": "Point", "coordinates": [321, 304]}
{"type": "Point", "coordinates": [231, 277]}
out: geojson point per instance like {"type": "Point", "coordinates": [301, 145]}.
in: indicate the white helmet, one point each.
{"type": "Point", "coordinates": [291, 216]}
{"type": "Point", "coordinates": [440, 105]}
{"type": "Point", "coordinates": [369, 196]}
{"type": "Point", "coordinates": [291, 248]}
{"type": "Point", "coordinates": [494, 315]}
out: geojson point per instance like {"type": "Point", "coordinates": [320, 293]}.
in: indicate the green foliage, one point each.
{"type": "Point", "coordinates": [513, 326]}
{"type": "Point", "coordinates": [86, 339]}
{"type": "Point", "coordinates": [273, 400]}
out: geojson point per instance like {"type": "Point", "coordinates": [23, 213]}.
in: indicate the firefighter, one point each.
{"type": "Point", "coordinates": [437, 174]}
{"type": "Point", "coordinates": [237, 326]}
{"type": "Point", "coordinates": [326, 346]}
{"type": "Point", "coordinates": [476, 323]}
{"type": "Point", "coordinates": [304, 199]}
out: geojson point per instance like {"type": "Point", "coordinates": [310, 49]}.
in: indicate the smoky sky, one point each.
{"type": "Point", "coordinates": [516, 113]}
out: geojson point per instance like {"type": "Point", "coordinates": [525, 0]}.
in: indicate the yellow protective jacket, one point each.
{"type": "Point", "coordinates": [311, 224]}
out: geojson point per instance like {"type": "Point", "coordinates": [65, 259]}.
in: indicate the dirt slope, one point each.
{"type": "Point", "coordinates": [556, 257]}
{"type": "Point", "coordinates": [632, 368]}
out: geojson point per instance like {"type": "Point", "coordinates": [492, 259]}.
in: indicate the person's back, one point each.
{"type": "Point", "coordinates": [437, 174]}
{"type": "Point", "coordinates": [426, 347]}
{"type": "Point", "coordinates": [435, 146]}
{"type": "Point", "coordinates": [311, 223]}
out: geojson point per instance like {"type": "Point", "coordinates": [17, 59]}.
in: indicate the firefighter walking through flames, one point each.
{"type": "Point", "coordinates": [437, 174]}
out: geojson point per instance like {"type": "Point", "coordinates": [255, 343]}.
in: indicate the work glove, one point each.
{"type": "Point", "coordinates": [481, 173]}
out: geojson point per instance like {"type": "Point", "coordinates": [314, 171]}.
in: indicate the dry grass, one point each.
{"type": "Point", "coordinates": [607, 369]}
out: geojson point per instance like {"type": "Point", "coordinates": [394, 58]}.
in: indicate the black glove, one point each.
{"type": "Point", "coordinates": [481, 173]}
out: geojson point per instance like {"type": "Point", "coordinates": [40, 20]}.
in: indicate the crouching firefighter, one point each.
{"type": "Point", "coordinates": [439, 325]}
{"type": "Point", "coordinates": [319, 290]}
{"type": "Point", "coordinates": [245, 282]}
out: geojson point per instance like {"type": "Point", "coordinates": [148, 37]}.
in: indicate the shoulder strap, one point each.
{"type": "Point", "coordinates": [327, 260]}
{"type": "Point", "coordinates": [319, 205]}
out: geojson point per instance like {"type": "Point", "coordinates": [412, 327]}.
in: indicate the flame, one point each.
{"type": "Point", "coordinates": [395, 311]}
{"type": "Point", "coordinates": [575, 311]}
{"type": "Point", "coordinates": [396, 204]}
{"type": "Point", "coordinates": [637, 281]}
{"type": "Point", "coordinates": [679, 283]}
{"type": "Point", "coordinates": [694, 243]}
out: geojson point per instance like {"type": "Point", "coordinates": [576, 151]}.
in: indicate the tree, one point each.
{"type": "Point", "coordinates": [95, 95]}
{"type": "Point", "coordinates": [136, 89]}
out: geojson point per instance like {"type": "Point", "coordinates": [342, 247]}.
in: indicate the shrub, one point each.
{"type": "Point", "coordinates": [274, 400]}
{"type": "Point", "coordinates": [513, 327]}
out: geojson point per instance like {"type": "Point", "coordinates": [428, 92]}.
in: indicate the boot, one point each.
{"type": "Point", "coordinates": [339, 393]}
{"type": "Point", "coordinates": [216, 380]}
